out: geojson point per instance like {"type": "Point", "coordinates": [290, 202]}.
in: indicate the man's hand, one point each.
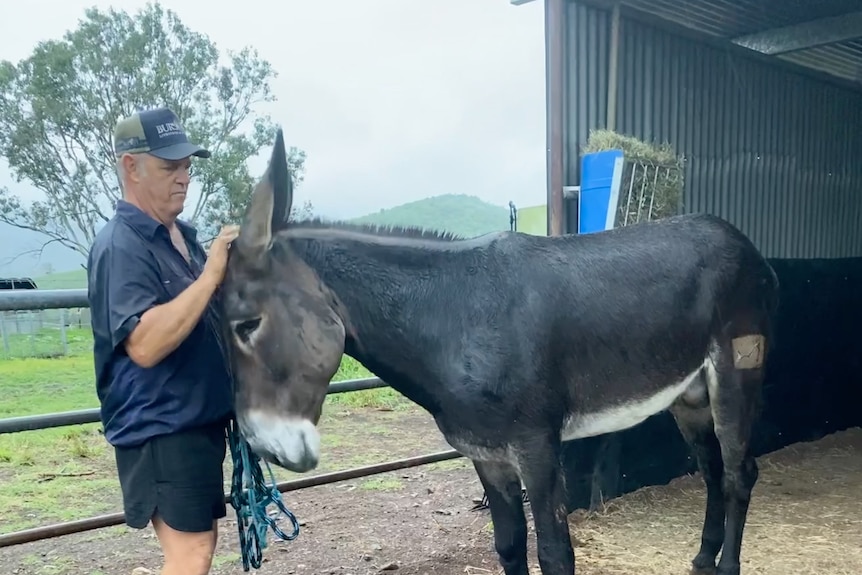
{"type": "Point", "coordinates": [217, 256]}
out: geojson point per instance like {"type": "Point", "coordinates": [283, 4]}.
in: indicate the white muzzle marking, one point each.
{"type": "Point", "coordinates": [292, 443]}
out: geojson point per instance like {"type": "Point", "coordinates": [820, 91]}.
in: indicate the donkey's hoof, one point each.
{"type": "Point", "coordinates": [703, 564]}
{"type": "Point", "coordinates": [733, 570]}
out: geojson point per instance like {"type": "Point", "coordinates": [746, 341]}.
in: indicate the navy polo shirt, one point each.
{"type": "Point", "coordinates": [132, 267]}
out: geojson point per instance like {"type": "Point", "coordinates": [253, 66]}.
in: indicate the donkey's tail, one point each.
{"type": "Point", "coordinates": [772, 297]}
{"type": "Point", "coordinates": [771, 300]}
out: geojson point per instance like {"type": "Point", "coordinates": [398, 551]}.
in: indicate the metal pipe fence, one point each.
{"type": "Point", "coordinates": [32, 299]}
{"type": "Point", "coordinates": [83, 416]}
{"type": "Point", "coordinates": [71, 298]}
{"type": "Point", "coordinates": [112, 519]}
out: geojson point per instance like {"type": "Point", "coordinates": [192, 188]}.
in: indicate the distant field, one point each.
{"type": "Point", "coordinates": [75, 279]}
{"type": "Point", "coordinates": [33, 385]}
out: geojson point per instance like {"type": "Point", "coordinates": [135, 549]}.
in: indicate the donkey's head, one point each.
{"type": "Point", "coordinates": [286, 338]}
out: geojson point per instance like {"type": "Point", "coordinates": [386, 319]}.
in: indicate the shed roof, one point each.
{"type": "Point", "coordinates": [823, 35]}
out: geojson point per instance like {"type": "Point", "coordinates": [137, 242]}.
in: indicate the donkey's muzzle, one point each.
{"type": "Point", "coordinates": [289, 442]}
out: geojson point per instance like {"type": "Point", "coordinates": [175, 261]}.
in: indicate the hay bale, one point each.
{"type": "Point", "coordinates": [652, 183]}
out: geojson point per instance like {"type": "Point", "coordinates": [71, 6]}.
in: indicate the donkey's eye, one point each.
{"type": "Point", "coordinates": [244, 329]}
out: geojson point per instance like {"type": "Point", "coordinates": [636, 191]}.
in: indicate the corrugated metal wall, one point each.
{"type": "Point", "coordinates": [777, 153]}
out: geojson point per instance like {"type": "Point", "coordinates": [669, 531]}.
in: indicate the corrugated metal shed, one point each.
{"type": "Point", "coordinates": [769, 146]}
{"type": "Point", "coordinates": [734, 19]}
{"type": "Point", "coordinates": [829, 39]}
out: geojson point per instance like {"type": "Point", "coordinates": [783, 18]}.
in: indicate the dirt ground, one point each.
{"type": "Point", "coordinates": [806, 517]}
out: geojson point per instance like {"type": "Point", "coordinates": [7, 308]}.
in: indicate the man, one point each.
{"type": "Point", "coordinates": [162, 381]}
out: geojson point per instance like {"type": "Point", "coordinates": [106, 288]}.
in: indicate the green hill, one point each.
{"type": "Point", "coordinates": [460, 214]}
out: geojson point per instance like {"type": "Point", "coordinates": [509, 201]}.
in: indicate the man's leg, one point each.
{"type": "Point", "coordinates": [186, 553]}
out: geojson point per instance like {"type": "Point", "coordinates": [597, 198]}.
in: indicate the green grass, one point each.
{"type": "Point", "coordinates": [46, 342]}
{"type": "Point", "coordinates": [67, 473]}
{"type": "Point", "coordinates": [226, 559]}
{"type": "Point", "coordinates": [36, 379]}
{"type": "Point", "coordinates": [49, 565]}
{"type": "Point", "coordinates": [74, 279]}
{"type": "Point", "coordinates": [382, 484]}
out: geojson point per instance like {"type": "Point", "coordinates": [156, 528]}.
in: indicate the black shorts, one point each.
{"type": "Point", "coordinates": [178, 476]}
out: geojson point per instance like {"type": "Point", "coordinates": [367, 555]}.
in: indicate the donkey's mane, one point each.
{"type": "Point", "coordinates": [377, 230]}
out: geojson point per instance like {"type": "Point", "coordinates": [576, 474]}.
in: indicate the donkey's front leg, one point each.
{"type": "Point", "coordinates": [542, 472]}
{"type": "Point", "coordinates": [503, 488]}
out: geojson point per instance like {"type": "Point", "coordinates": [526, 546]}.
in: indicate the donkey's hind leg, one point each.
{"type": "Point", "coordinates": [735, 393]}
{"type": "Point", "coordinates": [503, 489]}
{"type": "Point", "coordinates": [694, 418]}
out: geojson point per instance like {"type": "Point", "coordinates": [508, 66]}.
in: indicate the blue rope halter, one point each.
{"type": "Point", "coordinates": [250, 496]}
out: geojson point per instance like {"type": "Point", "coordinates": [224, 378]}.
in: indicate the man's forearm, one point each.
{"type": "Point", "coordinates": [163, 328]}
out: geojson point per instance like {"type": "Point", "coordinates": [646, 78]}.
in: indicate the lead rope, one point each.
{"type": "Point", "coordinates": [250, 495]}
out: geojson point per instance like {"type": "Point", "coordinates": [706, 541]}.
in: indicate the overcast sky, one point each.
{"type": "Point", "coordinates": [392, 100]}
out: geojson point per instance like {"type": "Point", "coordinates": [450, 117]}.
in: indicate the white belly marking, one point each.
{"type": "Point", "coordinates": [625, 415]}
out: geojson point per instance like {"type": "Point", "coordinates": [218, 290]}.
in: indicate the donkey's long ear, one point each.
{"type": "Point", "coordinates": [270, 202]}
{"type": "Point", "coordinates": [281, 181]}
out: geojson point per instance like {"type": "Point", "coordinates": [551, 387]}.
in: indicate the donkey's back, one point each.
{"type": "Point", "coordinates": [686, 275]}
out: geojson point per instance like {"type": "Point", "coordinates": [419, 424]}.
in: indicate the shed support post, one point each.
{"type": "Point", "coordinates": [555, 43]}
{"type": "Point", "coordinates": [613, 67]}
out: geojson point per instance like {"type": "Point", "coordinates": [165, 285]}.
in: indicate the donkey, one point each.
{"type": "Point", "coordinates": [514, 343]}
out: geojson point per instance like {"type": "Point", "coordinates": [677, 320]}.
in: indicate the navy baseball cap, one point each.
{"type": "Point", "coordinates": [158, 132]}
